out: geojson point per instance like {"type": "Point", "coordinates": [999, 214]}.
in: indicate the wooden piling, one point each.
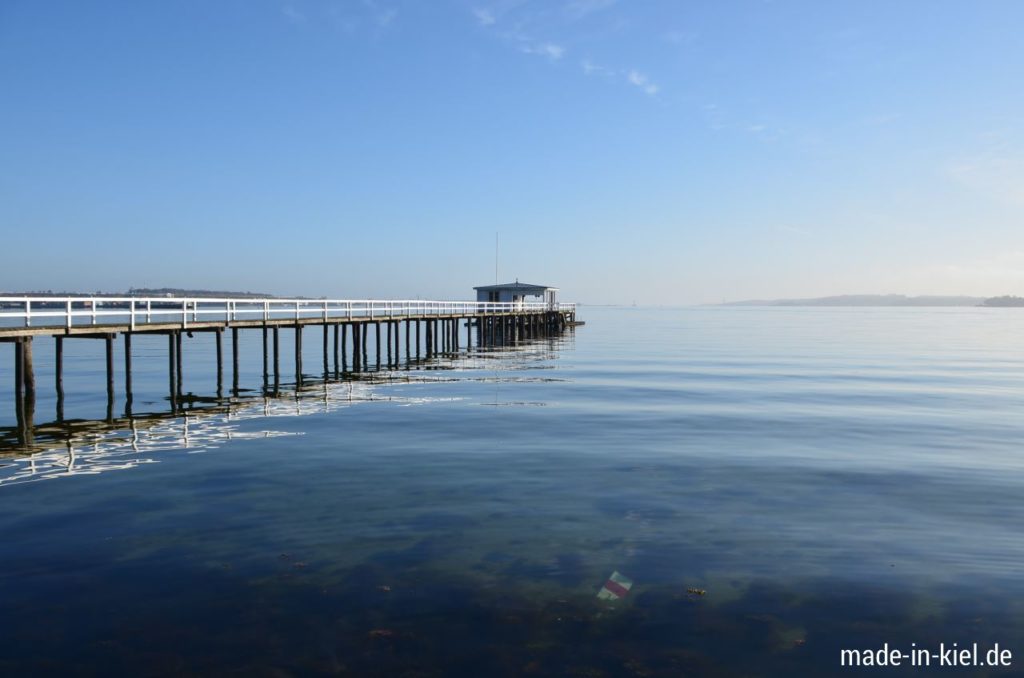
{"type": "Point", "coordinates": [344, 346]}
{"type": "Point", "coordinates": [265, 371]}
{"type": "Point", "coordinates": [234, 360]}
{"type": "Point", "coordinates": [398, 351]}
{"type": "Point", "coordinates": [218, 335]}
{"type": "Point", "coordinates": [19, 382]}
{"type": "Point", "coordinates": [326, 366]}
{"type": "Point", "coordinates": [59, 376]}
{"type": "Point", "coordinates": [178, 357]}
{"type": "Point", "coordinates": [337, 365]}
{"type": "Point", "coordinates": [376, 333]}
{"type": "Point", "coordinates": [408, 327]}
{"type": "Point", "coordinates": [355, 346]}
{"type": "Point", "coordinates": [29, 403]}
{"type": "Point", "coordinates": [128, 368]}
{"type": "Point", "coordinates": [171, 365]}
{"type": "Point", "coordinates": [277, 356]}
{"type": "Point", "coordinates": [28, 370]}
{"type": "Point", "coordinates": [298, 355]}
{"type": "Point", "coordinates": [109, 339]}
{"type": "Point", "coordinates": [366, 340]}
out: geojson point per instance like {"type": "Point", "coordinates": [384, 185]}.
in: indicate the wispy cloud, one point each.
{"type": "Point", "coordinates": [547, 49]}
{"type": "Point", "coordinates": [368, 16]}
{"type": "Point", "coordinates": [578, 9]}
{"type": "Point", "coordinates": [643, 82]}
{"type": "Point", "coordinates": [293, 15]}
{"type": "Point", "coordinates": [633, 77]}
{"type": "Point", "coordinates": [484, 17]}
{"type": "Point", "coordinates": [382, 15]}
{"type": "Point", "coordinates": [590, 68]}
{"type": "Point", "coordinates": [543, 29]}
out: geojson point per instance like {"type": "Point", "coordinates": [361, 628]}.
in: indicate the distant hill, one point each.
{"type": "Point", "coordinates": [145, 292]}
{"type": "Point", "coordinates": [866, 300]}
{"type": "Point", "coordinates": [177, 292]}
{"type": "Point", "coordinates": [1004, 301]}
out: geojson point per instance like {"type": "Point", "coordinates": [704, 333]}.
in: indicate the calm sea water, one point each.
{"type": "Point", "coordinates": [778, 484]}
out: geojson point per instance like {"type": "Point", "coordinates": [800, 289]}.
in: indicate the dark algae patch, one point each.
{"type": "Point", "coordinates": [377, 620]}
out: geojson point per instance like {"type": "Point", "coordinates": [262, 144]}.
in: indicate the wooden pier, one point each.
{"type": "Point", "coordinates": [428, 328]}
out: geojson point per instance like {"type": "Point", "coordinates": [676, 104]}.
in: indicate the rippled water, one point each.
{"type": "Point", "coordinates": [778, 483]}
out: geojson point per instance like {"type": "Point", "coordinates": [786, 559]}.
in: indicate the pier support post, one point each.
{"type": "Point", "coordinates": [376, 333]}
{"type": "Point", "coordinates": [366, 339]}
{"type": "Point", "coordinates": [109, 341]}
{"type": "Point", "coordinates": [59, 376]}
{"type": "Point", "coordinates": [390, 346]}
{"type": "Point", "coordinates": [219, 338]}
{"type": "Point", "coordinates": [277, 359]}
{"type": "Point", "coordinates": [234, 360]}
{"type": "Point", "coordinates": [355, 346]}
{"type": "Point", "coordinates": [171, 364]}
{"type": "Point", "coordinates": [29, 370]}
{"type": "Point", "coordinates": [337, 368]}
{"type": "Point", "coordinates": [298, 355]}
{"type": "Point", "coordinates": [19, 384]}
{"type": "Point", "coordinates": [265, 371]}
{"type": "Point", "coordinates": [178, 358]}
{"type": "Point", "coordinates": [398, 346]}
{"type": "Point", "coordinates": [128, 372]}
{"type": "Point", "coordinates": [326, 366]}
{"type": "Point", "coordinates": [408, 328]}
{"type": "Point", "coordinates": [344, 346]}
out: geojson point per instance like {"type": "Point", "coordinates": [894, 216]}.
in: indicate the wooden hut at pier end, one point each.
{"type": "Point", "coordinates": [517, 292]}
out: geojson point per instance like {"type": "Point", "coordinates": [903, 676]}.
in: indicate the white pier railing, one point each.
{"type": "Point", "coordinates": [141, 311]}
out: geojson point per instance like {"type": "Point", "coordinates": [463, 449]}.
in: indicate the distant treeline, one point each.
{"type": "Point", "coordinates": [885, 300]}
{"type": "Point", "coordinates": [157, 292]}
{"type": "Point", "coordinates": [1004, 301]}
{"type": "Point", "coordinates": [866, 300]}
{"type": "Point", "coordinates": [144, 292]}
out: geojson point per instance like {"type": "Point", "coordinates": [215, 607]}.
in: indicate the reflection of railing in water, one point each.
{"type": "Point", "coordinates": [77, 447]}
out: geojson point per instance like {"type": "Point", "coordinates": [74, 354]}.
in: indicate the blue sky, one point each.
{"type": "Point", "coordinates": [662, 152]}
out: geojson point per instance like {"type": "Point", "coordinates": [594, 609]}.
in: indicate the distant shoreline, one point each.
{"type": "Point", "coordinates": [887, 300]}
{"type": "Point", "coordinates": [147, 292]}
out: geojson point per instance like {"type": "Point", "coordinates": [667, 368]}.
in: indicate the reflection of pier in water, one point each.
{"type": "Point", "coordinates": [87, 447]}
{"type": "Point", "coordinates": [494, 323]}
